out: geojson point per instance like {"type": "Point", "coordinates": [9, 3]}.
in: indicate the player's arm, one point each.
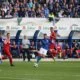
{"type": "Point", "coordinates": [5, 41]}
{"type": "Point", "coordinates": [53, 36]}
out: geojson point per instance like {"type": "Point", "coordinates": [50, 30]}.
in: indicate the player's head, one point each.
{"type": "Point", "coordinates": [51, 29]}
{"type": "Point", "coordinates": [45, 36]}
{"type": "Point", "coordinates": [25, 37]}
{"type": "Point", "coordinates": [8, 35]}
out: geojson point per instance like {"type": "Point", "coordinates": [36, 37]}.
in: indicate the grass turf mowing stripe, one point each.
{"type": "Point", "coordinates": [45, 71]}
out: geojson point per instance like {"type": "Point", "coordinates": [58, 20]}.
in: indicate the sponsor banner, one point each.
{"type": "Point", "coordinates": [29, 25]}
{"type": "Point", "coordinates": [25, 23]}
{"type": "Point", "coordinates": [2, 28]}
{"type": "Point", "coordinates": [68, 24]}
{"type": "Point", "coordinates": [65, 25]}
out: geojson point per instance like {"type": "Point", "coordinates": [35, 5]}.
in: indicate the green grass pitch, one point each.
{"type": "Point", "coordinates": [45, 71]}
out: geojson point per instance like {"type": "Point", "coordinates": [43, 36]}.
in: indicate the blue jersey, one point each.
{"type": "Point", "coordinates": [45, 43]}
{"type": "Point", "coordinates": [0, 40]}
{"type": "Point", "coordinates": [0, 44]}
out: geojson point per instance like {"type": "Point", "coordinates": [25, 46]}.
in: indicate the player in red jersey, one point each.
{"type": "Point", "coordinates": [59, 50]}
{"type": "Point", "coordinates": [53, 36]}
{"type": "Point", "coordinates": [52, 50]}
{"type": "Point", "coordinates": [6, 48]}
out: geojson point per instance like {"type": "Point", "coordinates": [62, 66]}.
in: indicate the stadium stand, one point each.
{"type": "Point", "coordinates": [39, 8]}
{"type": "Point", "coordinates": [43, 9]}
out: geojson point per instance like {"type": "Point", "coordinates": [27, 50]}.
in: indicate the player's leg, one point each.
{"type": "Point", "coordinates": [41, 54]}
{"type": "Point", "coordinates": [77, 53]}
{"type": "Point", "coordinates": [23, 53]}
{"type": "Point", "coordinates": [9, 56]}
{"type": "Point", "coordinates": [53, 53]}
{"type": "Point", "coordinates": [4, 57]}
{"type": "Point", "coordinates": [28, 55]}
{"type": "Point", "coordinates": [38, 58]}
{"type": "Point", "coordinates": [0, 56]}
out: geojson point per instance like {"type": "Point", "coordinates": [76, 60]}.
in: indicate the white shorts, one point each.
{"type": "Point", "coordinates": [0, 56]}
{"type": "Point", "coordinates": [43, 51]}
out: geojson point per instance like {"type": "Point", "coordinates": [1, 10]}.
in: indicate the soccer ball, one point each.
{"type": "Point", "coordinates": [35, 65]}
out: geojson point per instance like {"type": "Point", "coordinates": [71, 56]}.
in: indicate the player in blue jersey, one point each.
{"type": "Point", "coordinates": [43, 50]}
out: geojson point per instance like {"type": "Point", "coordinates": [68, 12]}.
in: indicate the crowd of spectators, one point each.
{"type": "Point", "coordinates": [39, 8]}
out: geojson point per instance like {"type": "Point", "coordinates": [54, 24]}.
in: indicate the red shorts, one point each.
{"type": "Point", "coordinates": [7, 52]}
{"type": "Point", "coordinates": [53, 52]}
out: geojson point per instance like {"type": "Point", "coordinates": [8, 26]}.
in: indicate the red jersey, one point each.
{"type": "Point", "coordinates": [53, 36]}
{"type": "Point", "coordinates": [52, 46]}
{"type": "Point", "coordinates": [7, 44]}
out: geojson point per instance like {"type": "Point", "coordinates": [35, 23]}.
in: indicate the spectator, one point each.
{"type": "Point", "coordinates": [74, 53]}
{"type": "Point", "coordinates": [29, 12]}
{"type": "Point", "coordinates": [60, 14]}
{"type": "Point", "coordinates": [3, 14]}
{"type": "Point", "coordinates": [33, 13]}
{"type": "Point", "coordinates": [21, 12]}
{"type": "Point", "coordinates": [38, 12]}
{"type": "Point", "coordinates": [30, 4]}
{"type": "Point", "coordinates": [46, 11]}
{"type": "Point", "coordinates": [41, 8]}
{"type": "Point", "coordinates": [57, 8]}
{"type": "Point", "coordinates": [51, 16]}
{"type": "Point", "coordinates": [50, 5]}
{"type": "Point", "coordinates": [14, 50]}
{"type": "Point", "coordinates": [25, 46]}
{"type": "Point", "coordinates": [8, 15]}
{"type": "Point", "coordinates": [15, 14]}
{"type": "Point", "coordinates": [32, 49]}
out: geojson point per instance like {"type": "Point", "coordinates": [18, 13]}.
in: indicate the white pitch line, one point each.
{"type": "Point", "coordinates": [11, 78]}
{"type": "Point", "coordinates": [76, 75]}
